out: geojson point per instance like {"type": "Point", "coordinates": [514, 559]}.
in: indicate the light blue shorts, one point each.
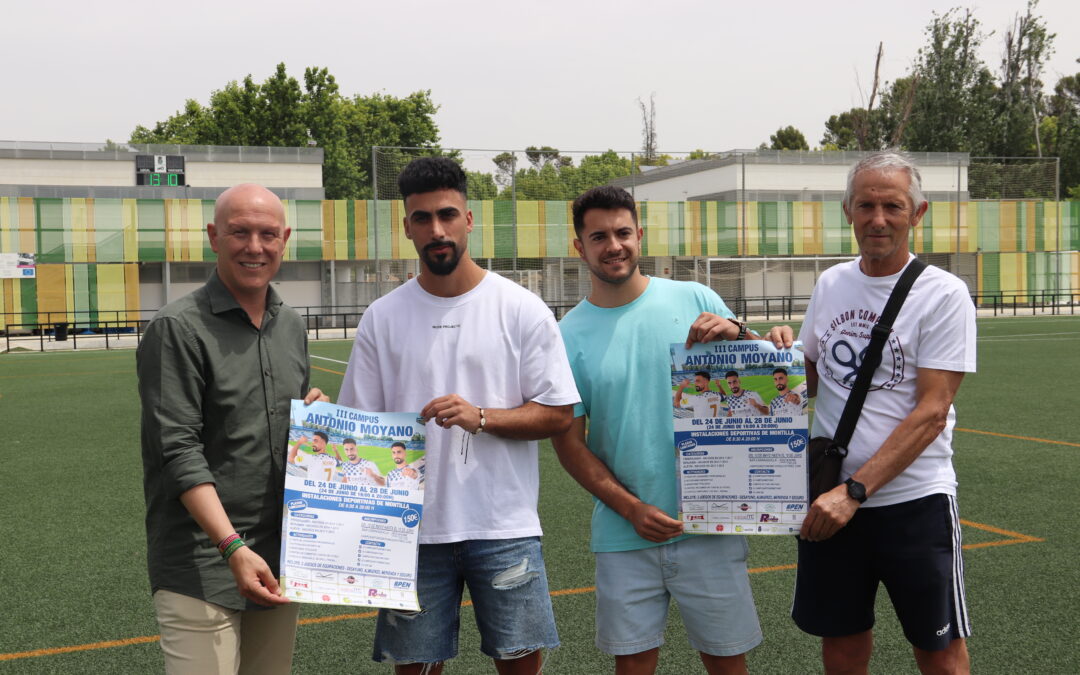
{"type": "Point", "coordinates": [508, 585]}
{"type": "Point", "coordinates": [706, 574]}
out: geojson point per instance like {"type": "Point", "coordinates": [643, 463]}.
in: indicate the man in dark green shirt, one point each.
{"type": "Point", "coordinates": [217, 370]}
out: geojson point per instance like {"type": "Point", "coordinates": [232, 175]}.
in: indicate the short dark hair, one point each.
{"type": "Point", "coordinates": [703, 373]}
{"type": "Point", "coordinates": [780, 370]}
{"type": "Point", "coordinates": [397, 443]}
{"type": "Point", "coordinates": [349, 440]}
{"type": "Point", "coordinates": [602, 197]}
{"type": "Point", "coordinates": [731, 373]}
{"type": "Point", "coordinates": [427, 174]}
{"type": "Point", "coordinates": [322, 435]}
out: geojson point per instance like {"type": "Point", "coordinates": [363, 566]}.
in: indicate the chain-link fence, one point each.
{"type": "Point", "coordinates": [770, 221]}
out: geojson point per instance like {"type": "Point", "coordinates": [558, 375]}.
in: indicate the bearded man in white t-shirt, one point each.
{"type": "Point", "coordinates": [482, 360]}
{"type": "Point", "coordinates": [701, 399]}
{"type": "Point", "coordinates": [743, 402]}
{"type": "Point", "coordinates": [894, 519]}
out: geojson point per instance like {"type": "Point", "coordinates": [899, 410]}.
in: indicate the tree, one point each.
{"type": "Point", "coordinates": [557, 178]}
{"type": "Point", "coordinates": [481, 185]}
{"type": "Point", "coordinates": [279, 112]}
{"type": "Point", "coordinates": [788, 138]}
{"type": "Point", "coordinates": [1020, 101]}
{"type": "Point", "coordinates": [952, 107]}
{"type": "Point", "coordinates": [840, 130]}
{"type": "Point", "coordinates": [541, 157]}
{"type": "Point", "coordinates": [648, 129]}
{"type": "Point", "coordinates": [1063, 137]}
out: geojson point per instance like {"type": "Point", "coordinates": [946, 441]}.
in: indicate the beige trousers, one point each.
{"type": "Point", "coordinates": [202, 638]}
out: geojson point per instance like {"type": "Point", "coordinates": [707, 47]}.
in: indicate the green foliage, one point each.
{"type": "Point", "coordinates": [1020, 103]}
{"type": "Point", "coordinates": [1063, 138]}
{"type": "Point", "coordinates": [279, 113]}
{"type": "Point", "coordinates": [953, 106]}
{"type": "Point", "coordinates": [552, 176]}
{"type": "Point", "coordinates": [481, 185]}
{"type": "Point", "coordinates": [788, 138]}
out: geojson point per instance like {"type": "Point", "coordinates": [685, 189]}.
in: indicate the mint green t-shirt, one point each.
{"type": "Point", "coordinates": [622, 366]}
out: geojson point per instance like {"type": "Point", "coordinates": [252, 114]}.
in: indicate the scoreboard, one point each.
{"type": "Point", "coordinates": [160, 170]}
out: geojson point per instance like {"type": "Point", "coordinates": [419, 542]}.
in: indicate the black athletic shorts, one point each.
{"type": "Point", "coordinates": [913, 548]}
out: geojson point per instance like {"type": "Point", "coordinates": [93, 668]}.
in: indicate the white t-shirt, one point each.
{"type": "Point", "coordinates": [739, 404]}
{"type": "Point", "coordinates": [780, 406]}
{"type": "Point", "coordinates": [707, 404]}
{"type": "Point", "coordinates": [356, 474]}
{"type": "Point", "coordinates": [320, 466]}
{"type": "Point", "coordinates": [497, 346]}
{"type": "Point", "coordinates": [397, 478]}
{"type": "Point", "coordinates": [934, 329]}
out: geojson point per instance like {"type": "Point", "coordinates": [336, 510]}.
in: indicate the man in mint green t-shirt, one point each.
{"type": "Point", "coordinates": [617, 341]}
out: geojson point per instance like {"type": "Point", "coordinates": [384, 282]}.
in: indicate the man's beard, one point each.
{"type": "Point", "coordinates": [445, 266]}
{"type": "Point", "coordinates": [602, 276]}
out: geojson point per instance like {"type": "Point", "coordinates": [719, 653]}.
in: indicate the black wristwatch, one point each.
{"type": "Point", "coordinates": [742, 329]}
{"type": "Point", "coordinates": [856, 490]}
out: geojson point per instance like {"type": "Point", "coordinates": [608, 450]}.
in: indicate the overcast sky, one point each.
{"type": "Point", "coordinates": [506, 74]}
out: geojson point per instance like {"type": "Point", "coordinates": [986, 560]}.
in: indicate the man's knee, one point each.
{"type": "Point", "coordinates": [847, 653]}
{"type": "Point", "coordinates": [953, 660]}
{"type": "Point", "coordinates": [516, 575]}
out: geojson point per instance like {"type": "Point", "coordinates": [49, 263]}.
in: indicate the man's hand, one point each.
{"type": "Point", "coordinates": [709, 327]}
{"type": "Point", "coordinates": [254, 579]}
{"type": "Point", "coordinates": [410, 472]}
{"type": "Point", "coordinates": [793, 398]}
{"type": "Point", "coordinates": [653, 524]}
{"type": "Point", "coordinates": [781, 336]}
{"type": "Point", "coordinates": [452, 410]}
{"type": "Point", "coordinates": [829, 512]}
{"type": "Point", "coordinates": [315, 394]}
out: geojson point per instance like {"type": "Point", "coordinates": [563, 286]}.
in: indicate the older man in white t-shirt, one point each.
{"type": "Point", "coordinates": [894, 518]}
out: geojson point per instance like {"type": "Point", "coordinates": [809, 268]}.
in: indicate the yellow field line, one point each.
{"type": "Point", "coordinates": [80, 648]}
{"type": "Point", "coordinates": [1015, 538]}
{"type": "Point", "coordinates": [327, 370]}
{"type": "Point", "coordinates": [1019, 438]}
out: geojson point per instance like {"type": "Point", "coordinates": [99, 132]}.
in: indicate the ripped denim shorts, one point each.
{"type": "Point", "coordinates": [508, 586]}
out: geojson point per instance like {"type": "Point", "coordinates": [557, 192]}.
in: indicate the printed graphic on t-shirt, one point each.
{"type": "Point", "coordinates": [740, 403]}
{"type": "Point", "coordinates": [843, 346]}
{"type": "Point", "coordinates": [708, 404]}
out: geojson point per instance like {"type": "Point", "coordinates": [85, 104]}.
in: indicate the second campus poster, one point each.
{"type": "Point", "coordinates": [354, 496]}
{"type": "Point", "coordinates": [741, 437]}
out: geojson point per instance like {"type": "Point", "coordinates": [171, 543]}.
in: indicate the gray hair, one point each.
{"type": "Point", "coordinates": [886, 161]}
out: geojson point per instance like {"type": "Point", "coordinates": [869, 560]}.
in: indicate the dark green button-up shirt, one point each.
{"type": "Point", "coordinates": [215, 395]}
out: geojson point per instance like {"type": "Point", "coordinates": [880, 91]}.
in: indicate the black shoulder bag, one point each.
{"type": "Point", "coordinates": [827, 454]}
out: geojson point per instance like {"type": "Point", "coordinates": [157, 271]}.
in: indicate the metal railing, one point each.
{"type": "Point", "coordinates": [41, 331]}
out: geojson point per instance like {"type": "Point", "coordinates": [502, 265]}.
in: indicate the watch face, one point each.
{"type": "Point", "coordinates": [856, 490]}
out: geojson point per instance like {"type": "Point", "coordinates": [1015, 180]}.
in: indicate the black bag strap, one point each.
{"type": "Point", "coordinates": [879, 334]}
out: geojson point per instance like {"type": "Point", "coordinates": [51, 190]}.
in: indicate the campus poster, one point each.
{"type": "Point", "coordinates": [741, 437]}
{"type": "Point", "coordinates": [354, 495]}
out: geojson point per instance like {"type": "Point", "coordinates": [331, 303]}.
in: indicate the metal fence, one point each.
{"type": "Point", "coordinates": [45, 331]}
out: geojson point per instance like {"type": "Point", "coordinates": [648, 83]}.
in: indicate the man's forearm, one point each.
{"type": "Point", "coordinates": [204, 505]}
{"type": "Point", "coordinates": [528, 422]}
{"type": "Point", "coordinates": [936, 390]}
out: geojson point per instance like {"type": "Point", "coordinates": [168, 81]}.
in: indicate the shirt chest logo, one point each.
{"type": "Point", "coordinates": [843, 348]}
